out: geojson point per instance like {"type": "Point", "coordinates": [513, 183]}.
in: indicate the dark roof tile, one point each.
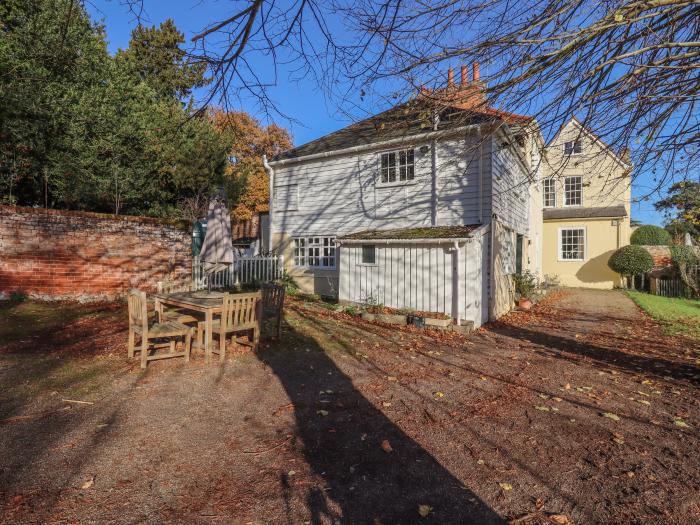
{"type": "Point", "coordinates": [584, 213]}
{"type": "Point", "coordinates": [427, 232]}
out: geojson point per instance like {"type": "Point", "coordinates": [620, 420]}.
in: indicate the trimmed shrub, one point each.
{"type": "Point", "coordinates": [631, 260]}
{"type": "Point", "coordinates": [650, 235]}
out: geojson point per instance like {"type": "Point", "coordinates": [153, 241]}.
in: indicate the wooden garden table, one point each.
{"type": "Point", "coordinates": [209, 306]}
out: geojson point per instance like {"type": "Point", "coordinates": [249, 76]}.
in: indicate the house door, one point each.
{"type": "Point", "coordinates": [519, 254]}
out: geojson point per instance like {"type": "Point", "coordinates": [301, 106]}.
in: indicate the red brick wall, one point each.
{"type": "Point", "coordinates": [55, 254]}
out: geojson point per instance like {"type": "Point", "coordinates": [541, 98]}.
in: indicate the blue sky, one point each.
{"type": "Point", "coordinates": [311, 114]}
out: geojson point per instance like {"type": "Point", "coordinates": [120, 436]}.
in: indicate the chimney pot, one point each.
{"type": "Point", "coordinates": [463, 79]}
{"type": "Point", "coordinates": [475, 72]}
{"type": "Point", "coordinates": [450, 77]}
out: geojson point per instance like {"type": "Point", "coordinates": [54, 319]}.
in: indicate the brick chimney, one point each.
{"type": "Point", "coordinates": [475, 72]}
{"type": "Point", "coordinates": [463, 80]}
{"type": "Point", "coordinates": [450, 77]}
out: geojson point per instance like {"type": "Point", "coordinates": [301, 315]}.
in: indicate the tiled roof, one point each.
{"type": "Point", "coordinates": [427, 232]}
{"type": "Point", "coordinates": [457, 106]}
{"type": "Point", "coordinates": [661, 255]}
{"type": "Point", "coordinates": [584, 213]}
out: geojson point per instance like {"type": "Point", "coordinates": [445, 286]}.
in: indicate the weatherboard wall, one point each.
{"type": "Point", "coordinates": [418, 277]}
{"type": "Point", "coordinates": [342, 194]}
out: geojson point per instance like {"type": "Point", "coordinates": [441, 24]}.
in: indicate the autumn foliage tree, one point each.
{"type": "Point", "coordinates": [247, 182]}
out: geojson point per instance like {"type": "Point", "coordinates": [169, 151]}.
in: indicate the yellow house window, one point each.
{"type": "Point", "coordinates": [572, 244]}
{"type": "Point", "coordinates": [549, 193]}
{"type": "Point", "coordinates": [573, 191]}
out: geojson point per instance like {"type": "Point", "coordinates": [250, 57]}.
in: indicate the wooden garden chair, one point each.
{"type": "Point", "coordinates": [273, 304]}
{"type": "Point", "coordinates": [180, 315]}
{"type": "Point", "coordinates": [241, 312]}
{"type": "Point", "coordinates": [139, 325]}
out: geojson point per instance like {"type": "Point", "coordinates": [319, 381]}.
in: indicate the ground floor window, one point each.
{"type": "Point", "coordinates": [314, 252]}
{"type": "Point", "coordinates": [572, 244]}
{"type": "Point", "coordinates": [369, 254]}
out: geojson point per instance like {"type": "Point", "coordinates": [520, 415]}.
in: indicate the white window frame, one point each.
{"type": "Point", "coordinates": [574, 143]}
{"type": "Point", "coordinates": [397, 166]}
{"type": "Point", "coordinates": [376, 255]}
{"type": "Point", "coordinates": [554, 192]}
{"type": "Point", "coordinates": [580, 178]}
{"type": "Point", "coordinates": [315, 251]}
{"type": "Point", "coordinates": [560, 247]}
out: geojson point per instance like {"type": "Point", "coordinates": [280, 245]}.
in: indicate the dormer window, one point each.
{"type": "Point", "coordinates": [572, 147]}
{"type": "Point", "coordinates": [397, 166]}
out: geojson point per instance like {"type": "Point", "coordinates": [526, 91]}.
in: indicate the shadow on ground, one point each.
{"type": "Point", "coordinates": [342, 434]}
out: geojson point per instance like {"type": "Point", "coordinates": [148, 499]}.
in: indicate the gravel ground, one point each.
{"type": "Point", "coordinates": [581, 411]}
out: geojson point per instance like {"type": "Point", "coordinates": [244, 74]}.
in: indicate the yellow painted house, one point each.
{"type": "Point", "coordinates": [586, 192]}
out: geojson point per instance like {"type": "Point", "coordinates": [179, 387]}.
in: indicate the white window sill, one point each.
{"type": "Point", "coordinates": [395, 184]}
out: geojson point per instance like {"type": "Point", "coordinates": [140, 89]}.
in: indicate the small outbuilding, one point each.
{"type": "Point", "coordinates": [431, 269]}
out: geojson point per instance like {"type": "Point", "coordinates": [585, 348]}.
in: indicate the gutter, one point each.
{"type": "Point", "coordinates": [271, 176]}
{"type": "Point", "coordinates": [429, 135]}
{"type": "Point", "coordinates": [443, 240]}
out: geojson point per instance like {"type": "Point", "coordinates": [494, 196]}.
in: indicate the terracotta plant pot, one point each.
{"type": "Point", "coordinates": [524, 304]}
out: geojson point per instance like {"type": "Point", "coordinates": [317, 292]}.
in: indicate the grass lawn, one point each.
{"type": "Point", "coordinates": [677, 315]}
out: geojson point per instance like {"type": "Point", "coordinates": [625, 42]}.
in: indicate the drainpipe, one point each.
{"type": "Point", "coordinates": [481, 175]}
{"type": "Point", "coordinates": [455, 283]}
{"type": "Point", "coordinates": [434, 173]}
{"type": "Point", "coordinates": [271, 176]}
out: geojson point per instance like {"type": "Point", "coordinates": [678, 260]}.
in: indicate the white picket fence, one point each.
{"type": "Point", "coordinates": [244, 270]}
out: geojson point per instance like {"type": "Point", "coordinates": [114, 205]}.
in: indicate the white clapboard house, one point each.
{"type": "Point", "coordinates": [427, 206]}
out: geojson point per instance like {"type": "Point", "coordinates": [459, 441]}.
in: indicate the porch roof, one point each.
{"type": "Point", "coordinates": [408, 234]}
{"type": "Point", "coordinates": [584, 213]}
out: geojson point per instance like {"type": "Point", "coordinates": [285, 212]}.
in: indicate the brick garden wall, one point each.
{"type": "Point", "coordinates": [55, 254]}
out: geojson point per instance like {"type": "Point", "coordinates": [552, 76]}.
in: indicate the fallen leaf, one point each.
{"type": "Point", "coordinates": [681, 423]}
{"type": "Point", "coordinates": [322, 412]}
{"type": "Point", "coordinates": [559, 519]}
{"type": "Point", "coordinates": [643, 402]}
{"type": "Point", "coordinates": [542, 408]}
{"type": "Point", "coordinates": [291, 473]}
{"type": "Point", "coordinates": [438, 394]}
{"type": "Point", "coordinates": [479, 461]}
{"type": "Point", "coordinates": [88, 483]}
{"type": "Point", "coordinates": [506, 486]}
{"type": "Point", "coordinates": [610, 415]}
{"type": "Point", "coordinates": [386, 404]}
{"type": "Point", "coordinates": [391, 378]}
{"type": "Point", "coordinates": [386, 446]}
{"type": "Point", "coordinates": [424, 510]}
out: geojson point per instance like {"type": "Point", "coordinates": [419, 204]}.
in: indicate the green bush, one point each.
{"type": "Point", "coordinates": [650, 235]}
{"type": "Point", "coordinates": [631, 260]}
{"type": "Point", "coordinates": [525, 284]}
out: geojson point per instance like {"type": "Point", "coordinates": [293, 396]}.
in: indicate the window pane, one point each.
{"type": "Point", "coordinates": [368, 254]}
{"type": "Point", "coordinates": [548, 193]}
{"type": "Point", "coordinates": [397, 166]}
{"type": "Point", "coordinates": [573, 191]}
{"type": "Point", "coordinates": [572, 244]}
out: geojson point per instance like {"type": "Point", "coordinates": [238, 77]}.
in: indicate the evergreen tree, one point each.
{"type": "Point", "coordinates": [156, 56]}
